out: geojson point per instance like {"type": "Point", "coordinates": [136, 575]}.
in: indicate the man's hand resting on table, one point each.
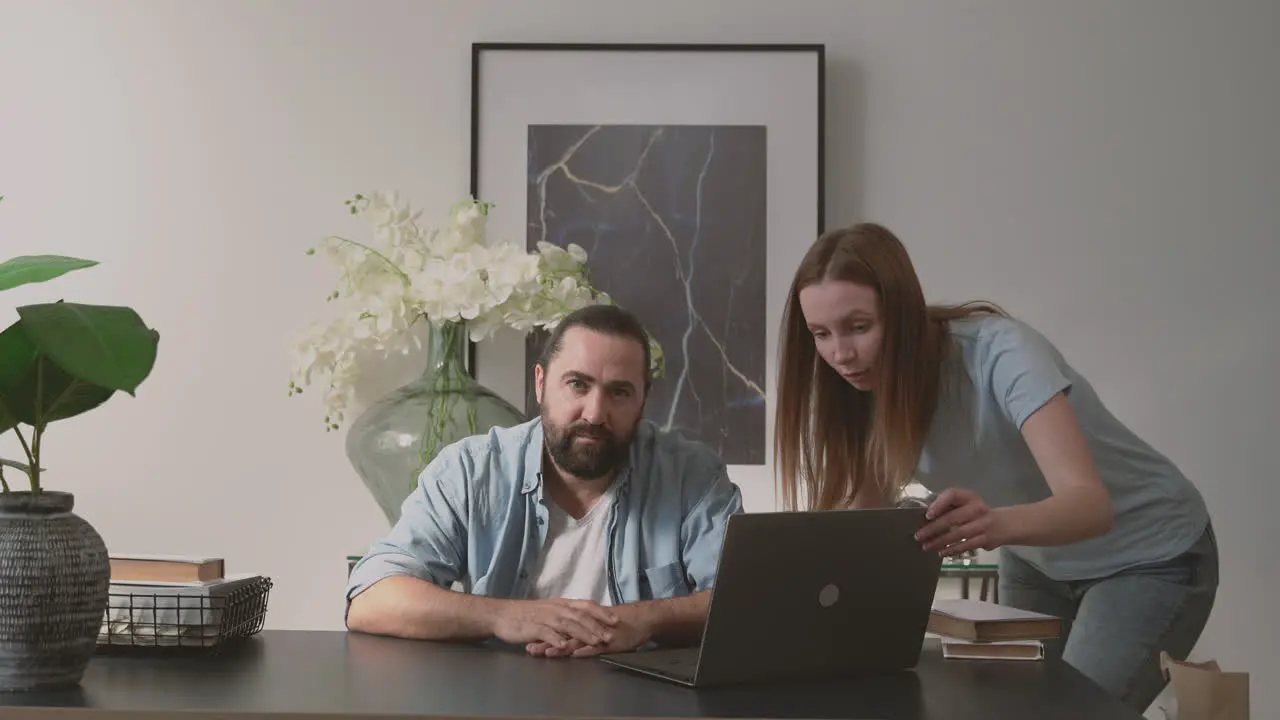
{"type": "Point", "coordinates": [556, 623]}
{"type": "Point", "coordinates": [629, 632]}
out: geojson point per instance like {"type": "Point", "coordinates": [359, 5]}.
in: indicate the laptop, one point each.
{"type": "Point", "coordinates": [807, 595]}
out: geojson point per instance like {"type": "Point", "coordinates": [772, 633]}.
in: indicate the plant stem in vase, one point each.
{"type": "Point", "coordinates": [449, 380]}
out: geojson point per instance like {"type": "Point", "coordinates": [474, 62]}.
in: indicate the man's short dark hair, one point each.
{"type": "Point", "coordinates": [605, 319]}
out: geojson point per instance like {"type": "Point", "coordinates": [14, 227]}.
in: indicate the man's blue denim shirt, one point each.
{"type": "Point", "coordinates": [477, 516]}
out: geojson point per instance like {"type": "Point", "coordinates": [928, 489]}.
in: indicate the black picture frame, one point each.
{"type": "Point", "coordinates": [483, 50]}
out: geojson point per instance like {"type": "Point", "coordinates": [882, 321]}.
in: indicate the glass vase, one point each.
{"type": "Point", "coordinates": [396, 437]}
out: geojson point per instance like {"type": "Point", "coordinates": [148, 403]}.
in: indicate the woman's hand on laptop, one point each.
{"type": "Point", "coordinates": [556, 623]}
{"type": "Point", "coordinates": [959, 521]}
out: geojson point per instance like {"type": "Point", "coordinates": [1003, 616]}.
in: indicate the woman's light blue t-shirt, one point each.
{"type": "Point", "coordinates": [1001, 372]}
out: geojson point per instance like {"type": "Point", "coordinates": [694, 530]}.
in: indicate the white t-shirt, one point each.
{"type": "Point", "coordinates": [572, 564]}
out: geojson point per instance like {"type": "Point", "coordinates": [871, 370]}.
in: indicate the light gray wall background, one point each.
{"type": "Point", "coordinates": [1106, 170]}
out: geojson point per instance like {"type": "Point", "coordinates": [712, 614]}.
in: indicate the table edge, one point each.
{"type": "Point", "coordinates": [48, 713]}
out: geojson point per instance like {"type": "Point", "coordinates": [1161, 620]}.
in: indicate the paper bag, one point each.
{"type": "Point", "coordinates": [1203, 692]}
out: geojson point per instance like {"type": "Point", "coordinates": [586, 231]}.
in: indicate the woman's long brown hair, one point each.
{"type": "Point", "coordinates": [831, 439]}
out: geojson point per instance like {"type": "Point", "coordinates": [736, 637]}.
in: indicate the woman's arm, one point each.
{"type": "Point", "coordinates": [1080, 507]}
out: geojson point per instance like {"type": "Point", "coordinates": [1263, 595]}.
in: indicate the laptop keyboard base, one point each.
{"type": "Point", "coordinates": [678, 663]}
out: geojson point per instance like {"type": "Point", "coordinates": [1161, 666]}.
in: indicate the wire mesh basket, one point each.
{"type": "Point", "coordinates": [199, 617]}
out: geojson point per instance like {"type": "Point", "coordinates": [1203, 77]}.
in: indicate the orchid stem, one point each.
{"type": "Point", "coordinates": [368, 249]}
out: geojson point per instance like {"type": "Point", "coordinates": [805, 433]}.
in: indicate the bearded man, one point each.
{"type": "Point", "coordinates": [586, 530]}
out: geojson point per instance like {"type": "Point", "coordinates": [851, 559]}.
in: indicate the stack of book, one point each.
{"type": "Point", "coordinates": [169, 599]}
{"type": "Point", "coordinates": [980, 630]}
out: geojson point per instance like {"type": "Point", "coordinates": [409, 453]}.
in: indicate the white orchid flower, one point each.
{"type": "Point", "coordinates": [405, 273]}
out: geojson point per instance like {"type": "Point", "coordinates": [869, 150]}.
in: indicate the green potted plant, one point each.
{"type": "Point", "coordinates": [57, 360]}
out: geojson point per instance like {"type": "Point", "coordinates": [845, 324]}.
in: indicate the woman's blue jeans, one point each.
{"type": "Point", "coordinates": [1115, 627]}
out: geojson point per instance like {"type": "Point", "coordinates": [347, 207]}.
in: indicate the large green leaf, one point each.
{"type": "Point", "coordinates": [8, 419]}
{"type": "Point", "coordinates": [23, 371]}
{"type": "Point", "coordinates": [60, 395]}
{"type": "Point", "coordinates": [100, 345]}
{"type": "Point", "coordinates": [17, 363]}
{"type": "Point", "coordinates": [38, 268]}
{"type": "Point", "coordinates": [17, 355]}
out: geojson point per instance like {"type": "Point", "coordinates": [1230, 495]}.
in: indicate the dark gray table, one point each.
{"type": "Point", "coordinates": [328, 675]}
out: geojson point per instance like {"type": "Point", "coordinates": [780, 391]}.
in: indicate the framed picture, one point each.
{"type": "Point", "coordinates": [689, 174]}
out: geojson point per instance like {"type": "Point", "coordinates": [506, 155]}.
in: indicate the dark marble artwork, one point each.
{"type": "Point", "coordinates": [673, 221]}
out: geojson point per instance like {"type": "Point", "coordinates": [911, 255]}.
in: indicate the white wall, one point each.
{"type": "Point", "coordinates": [1106, 170]}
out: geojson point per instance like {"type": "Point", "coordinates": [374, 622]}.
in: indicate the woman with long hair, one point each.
{"type": "Point", "coordinates": [878, 389]}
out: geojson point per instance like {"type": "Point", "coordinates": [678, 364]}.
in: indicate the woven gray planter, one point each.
{"type": "Point", "coordinates": [54, 579]}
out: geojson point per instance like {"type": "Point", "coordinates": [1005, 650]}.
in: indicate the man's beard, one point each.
{"type": "Point", "coordinates": [581, 459]}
